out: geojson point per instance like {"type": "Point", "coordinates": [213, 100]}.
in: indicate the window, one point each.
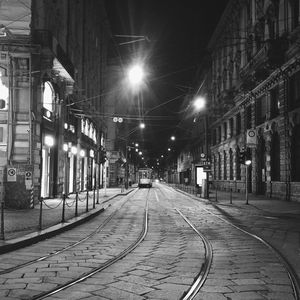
{"type": "Point", "coordinates": [48, 97]}
{"type": "Point", "coordinates": [230, 165]}
{"type": "Point", "coordinates": [225, 131]}
{"type": "Point", "coordinates": [261, 110]}
{"type": "Point", "coordinates": [219, 134]}
{"type": "Point", "coordinates": [275, 157]}
{"type": "Point", "coordinates": [231, 127]}
{"type": "Point", "coordinates": [294, 91]}
{"type": "Point", "coordinates": [295, 157]}
{"type": "Point", "coordinates": [237, 164]}
{"type": "Point", "coordinates": [274, 102]}
{"type": "Point", "coordinates": [238, 124]}
{"type": "Point", "coordinates": [225, 165]}
{"type": "Point", "coordinates": [219, 166]}
{"type": "Point", "coordinates": [248, 117]}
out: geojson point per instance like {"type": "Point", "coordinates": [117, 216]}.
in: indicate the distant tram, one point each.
{"type": "Point", "coordinates": [145, 177]}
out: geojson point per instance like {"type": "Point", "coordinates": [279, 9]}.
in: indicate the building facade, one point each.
{"type": "Point", "coordinates": [52, 64]}
{"type": "Point", "coordinates": [252, 86]}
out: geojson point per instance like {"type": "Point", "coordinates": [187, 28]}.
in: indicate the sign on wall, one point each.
{"type": "Point", "coordinates": [11, 174]}
{"type": "Point", "coordinates": [251, 139]}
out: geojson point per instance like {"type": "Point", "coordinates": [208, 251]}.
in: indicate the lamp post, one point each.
{"type": "Point", "coordinates": [136, 76]}
{"type": "Point", "coordinates": [247, 165]}
{"type": "Point", "coordinates": [200, 105]}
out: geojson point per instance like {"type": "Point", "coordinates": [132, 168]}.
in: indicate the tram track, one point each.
{"type": "Point", "coordinates": [294, 280]}
{"type": "Point", "coordinates": [105, 265]}
{"type": "Point", "coordinates": [70, 246]}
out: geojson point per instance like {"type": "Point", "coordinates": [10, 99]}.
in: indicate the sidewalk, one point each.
{"type": "Point", "coordinates": [22, 227]}
{"type": "Point", "coordinates": [262, 203]}
{"type": "Point", "coordinates": [271, 206]}
{"type": "Point", "coordinates": [276, 221]}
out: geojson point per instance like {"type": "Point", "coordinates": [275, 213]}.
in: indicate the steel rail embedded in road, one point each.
{"type": "Point", "coordinates": [94, 232]}
{"type": "Point", "coordinates": [294, 280]}
{"type": "Point", "coordinates": [103, 266]}
{"type": "Point", "coordinates": [289, 269]}
{"type": "Point", "coordinates": [202, 276]}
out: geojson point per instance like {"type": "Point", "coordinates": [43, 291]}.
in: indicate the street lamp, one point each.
{"type": "Point", "coordinates": [247, 165]}
{"type": "Point", "coordinates": [200, 105]}
{"type": "Point", "coordinates": [136, 75]}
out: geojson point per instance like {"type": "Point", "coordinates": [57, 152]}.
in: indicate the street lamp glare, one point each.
{"type": "Point", "coordinates": [136, 75]}
{"type": "Point", "coordinates": [173, 138]}
{"type": "Point", "coordinates": [142, 125]}
{"type": "Point", "coordinates": [199, 103]}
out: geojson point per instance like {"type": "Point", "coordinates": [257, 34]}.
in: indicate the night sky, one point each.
{"type": "Point", "coordinates": [177, 35]}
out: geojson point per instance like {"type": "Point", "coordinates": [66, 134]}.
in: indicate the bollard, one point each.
{"type": "Point", "coordinates": [87, 200]}
{"type": "Point", "coordinates": [76, 205]}
{"type": "Point", "coordinates": [94, 198]}
{"type": "Point", "coordinates": [231, 196]}
{"type": "Point", "coordinates": [41, 213]}
{"type": "Point", "coordinates": [216, 194]}
{"type": "Point", "coordinates": [2, 221]}
{"type": "Point", "coordinates": [98, 195]}
{"type": "Point", "coordinates": [63, 209]}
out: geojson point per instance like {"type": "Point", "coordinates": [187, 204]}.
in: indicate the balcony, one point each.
{"type": "Point", "coordinates": [266, 60]}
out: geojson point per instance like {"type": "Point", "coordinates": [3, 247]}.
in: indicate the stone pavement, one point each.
{"type": "Point", "coordinates": [23, 227]}
{"type": "Point", "coordinates": [276, 221]}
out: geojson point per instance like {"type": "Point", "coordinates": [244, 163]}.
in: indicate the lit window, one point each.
{"type": "Point", "coordinates": [48, 97]}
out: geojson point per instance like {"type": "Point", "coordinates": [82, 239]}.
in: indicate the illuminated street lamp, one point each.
{"type": "Point", "coordinates": [247, 165]}
{"type": "Point", "coordinates": [142, 125]}
{"type": "Point", "coordinates": [172, 138]}
{"type": "Point", "coordinates": [200, 105]}
{"type": "Point", "coordinates": [136, 75]}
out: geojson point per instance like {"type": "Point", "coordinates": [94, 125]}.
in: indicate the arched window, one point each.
{"type": "Point", "coordinates": [295, 157]}
{"type": "Point", "coordinates": [48, 96]}
{"type": "Point", "coordinates": [237, 164]}
{"type": "Point", "coordinates": [275, 157]}
{"type": "Point", "coordinates": [219, 166]}
{"type": "Point", "coordinates": [230, 164]}
{"type": "Point", "coordinates": [4, 91]}
{"type": "Point", "coordinates": [225, 165]}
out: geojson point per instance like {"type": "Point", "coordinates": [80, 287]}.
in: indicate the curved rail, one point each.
{"type": "Point", "coordinates": [42, 258]}
{"type": "Point", "coordinates": [289, 269]}
{"type": "Point", "coordinates": [202, 276]}
{"type": "Point", "coordinates": [103, 266]}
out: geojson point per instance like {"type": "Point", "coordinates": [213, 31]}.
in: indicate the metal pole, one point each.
{"type": "Point", "coordinates": [216, 193]}
{"type": "Point", "coordinates": [87, 200]}
{"type": "Point", "coordinates": [76, 205]}
{"type": "Point", "coordinates": [2, 221]}
{"type": "Point", "coordinates": [63, 209]}
{"type": "Point", "coordinates": [206, 150]}
{"type": "Point", "coordinates": [98, 194]}
{"type": "Point", "coordinates": [94, 197]}
{"type": "Point", "coordinates": [126, 166]}
{"type": "Point", "coordinates": [230, 195]}
{"type": "Point", "coordinates": [104, 174]}
{"type": "Point", "coordinates": [41, 213]}
{"type": "Point", "coordinates": [246, 181]}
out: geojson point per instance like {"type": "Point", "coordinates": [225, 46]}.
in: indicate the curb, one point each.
{"type": "Point", "coordinates": [40, 235]}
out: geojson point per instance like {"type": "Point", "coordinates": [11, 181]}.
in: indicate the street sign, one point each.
{"type": "Point", "coordinates": [28, 180]}
{"type": "Point", "coordinates": [251, 140]}
{"type": "Point", "coordinates": [11, 174]}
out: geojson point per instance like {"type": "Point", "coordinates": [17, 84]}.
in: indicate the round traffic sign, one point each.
{"type": "Point", "coordinates": [251, 133]}
{"type": "Point", "coordinates": [11, 172]}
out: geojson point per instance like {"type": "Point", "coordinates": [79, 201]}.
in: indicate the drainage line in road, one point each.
{"type": "Point", "coordinates": [102, 267]}
{"type": "Point", "coordinates": [200, 279]}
